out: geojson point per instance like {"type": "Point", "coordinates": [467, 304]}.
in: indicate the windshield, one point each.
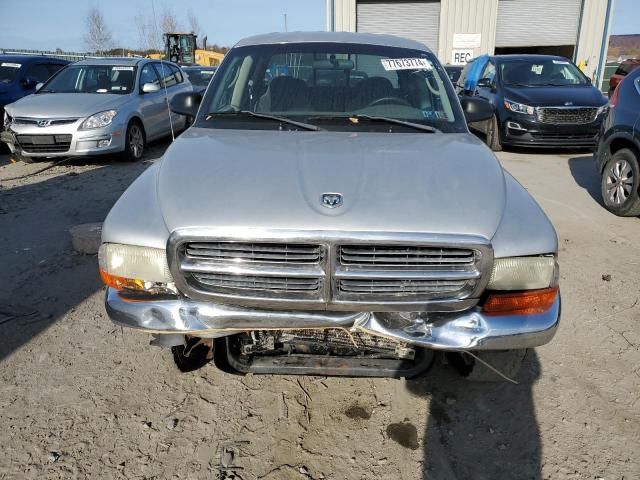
{"type": "Point", "coordinates": [8, 71]}
{"type": "Point", "coordinates": [552, 72]}
{"type": "Point", "coordinates": [92, 79]}
{"type": "Point", "coordinates": [199, 77]}
{"type": "Point", "coordinates": [327, 84]}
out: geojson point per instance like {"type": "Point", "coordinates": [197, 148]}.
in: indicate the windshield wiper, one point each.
{"type": "Point", "coordinates": [371, 118]}
{"type": "Point", "coordinates": [265, 116]}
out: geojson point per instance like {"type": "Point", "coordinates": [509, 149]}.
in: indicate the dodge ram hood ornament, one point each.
{"type": "Point", "coordinates": [331, 200]}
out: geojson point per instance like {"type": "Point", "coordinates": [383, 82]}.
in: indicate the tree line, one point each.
{"type": "Point", "coordinates": [99, 39]}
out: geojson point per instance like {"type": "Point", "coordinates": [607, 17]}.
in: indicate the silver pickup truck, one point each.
{"type": "Point", "coordinates": [329, 213]}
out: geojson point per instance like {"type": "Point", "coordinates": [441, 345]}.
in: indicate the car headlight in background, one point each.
{"type": "Point", "coordinates": [99, 120]}
{"type": "Point", "coordinates": [6, 121]}
{"type": "Point", "coordinates": [131, 267]}
{"type": "Point", "coordinates": [519, 107]}
{"type": "Point", "coordinates": [522, 286]}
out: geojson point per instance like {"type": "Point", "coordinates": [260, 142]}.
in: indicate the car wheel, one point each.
{"type": "Point", "coordinates": [493, 134]}
{"type": "Point", "coordinates": [507, 362]}
{"type": "Point", "coordinates": [620, 183]}
{"type": "Point", "coordinates": [135, 142]}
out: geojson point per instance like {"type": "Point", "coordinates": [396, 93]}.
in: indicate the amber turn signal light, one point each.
{"type": "Point", "coordinates": [529, 302]}
{"type": "Point", "coordinates": [120, 283]}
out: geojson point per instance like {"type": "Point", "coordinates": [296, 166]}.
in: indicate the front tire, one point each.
{"type": "Point", "coordinates": [493, 134]}
{"type": "Point", "coordinates": [134, 142]}
{"type": "Point", "coordinates": [507, 362]}
{"type": "Point", "coordinates": [620, 183]}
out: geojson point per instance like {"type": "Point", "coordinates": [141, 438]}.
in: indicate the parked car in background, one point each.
{"type": "Point", "coordinates": [19, 75]}
{"type": "Point", "coordinates": [538, 101]}
{"type": "Point", "coordinates": [96, 107]}
{"type": "Point", "coordinates": [199, 76]}
{"type": "Point", "coordinates": [618, 154]}
{"type": "Point", "coordinates": [306, 226]}
{"type": "Point", "coordinates": [454, 72]}
{"type": "Point", "coordinates": [625, 68]}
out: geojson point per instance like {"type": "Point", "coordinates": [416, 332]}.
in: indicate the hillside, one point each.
{"type": "Point", "coordinates": [624, 46]}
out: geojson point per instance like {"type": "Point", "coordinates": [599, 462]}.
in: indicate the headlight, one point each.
{"type": "Point", "coordinates": [519, 107]}
{"type": "Point", "coordinates": [99, 120]}
{"type": "Point", "coordinates": [6, 121]}
{"type": "Point", "coordinates": [523, 273]}
{"type": "Point", "coordinates": [135, 268]}
{"type": "Point", "coordinates": [603, 109]}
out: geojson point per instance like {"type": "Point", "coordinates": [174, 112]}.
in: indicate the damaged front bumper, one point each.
{"type": "Point", "coordinates": [468, 330]}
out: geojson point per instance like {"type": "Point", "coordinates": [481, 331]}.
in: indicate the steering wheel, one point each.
{"type": "Point", "coordinates": [389, 100]}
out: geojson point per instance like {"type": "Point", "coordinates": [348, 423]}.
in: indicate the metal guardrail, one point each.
{"type": "Point", "coordinates": [73, 56]}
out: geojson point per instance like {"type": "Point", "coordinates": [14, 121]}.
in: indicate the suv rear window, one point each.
{"type": "Point", "coordinates": [626, 67]}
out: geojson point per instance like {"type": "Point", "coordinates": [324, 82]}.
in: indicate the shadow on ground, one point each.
{"type": "Point", "coordinates": [584, 172]}
{"type": "Point", "coordinates": [42, 276]}
{"type": "Point", "coordinates": [480, 430]}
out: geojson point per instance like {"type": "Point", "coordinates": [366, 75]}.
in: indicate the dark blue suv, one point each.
{"type": "Point", "coordinates": [19, 75]}
{"type": "Point", "coordinates": [538, 101]}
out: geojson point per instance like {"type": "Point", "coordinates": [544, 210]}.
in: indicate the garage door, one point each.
{"type": "Point", "coordinates": [418, 20]}
{"type": "Point", "coordinates": [528, 23]}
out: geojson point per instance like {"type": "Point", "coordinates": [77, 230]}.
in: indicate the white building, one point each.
{"type": "Point", "coordinates": [460, 29]}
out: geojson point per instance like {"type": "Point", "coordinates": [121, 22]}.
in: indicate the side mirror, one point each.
{"type": "Point", "coordinates": [476, 109]}
{"type": "Point", "coordinates": [186, 103]}
{"type": "Point", "coordinates": [485, 82]}
{"type": "Point", "coordinates": [29, 82]}
{"type": "Point", "coordinates": [39, 86]}
{"type": "Point", "coordinates": [150, 88]}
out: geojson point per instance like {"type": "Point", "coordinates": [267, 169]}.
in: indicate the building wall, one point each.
{"type": "Point", "coordinates": [344, 15]}
{"type": "Point", "coordinates": [480, 16]}
{"type": "Point", "coordinates": [592, 29]}
{"type": "Point", "coordinates": [467, 16]}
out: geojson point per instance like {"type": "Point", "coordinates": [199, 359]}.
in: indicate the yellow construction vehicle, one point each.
{"type": "Point", "coordinates": [182, 48]}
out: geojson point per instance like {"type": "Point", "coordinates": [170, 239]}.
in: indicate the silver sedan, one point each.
{"type": "Point", "coordinates": [96, 107]}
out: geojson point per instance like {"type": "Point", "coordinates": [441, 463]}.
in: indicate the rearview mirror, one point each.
{"type": "Point", "coordinates": [186, 103]}
{"type": "Point", "coordinates": [29, 83]}
{"type": "Point", "coordinates": [39, 86]}
{"type": "Point", "coordinates": [476, 109]}
{"type": "Point", "coordinates": [150, 88]}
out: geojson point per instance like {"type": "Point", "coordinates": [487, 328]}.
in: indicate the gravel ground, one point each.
{"type": "Point", "coordinates": [81, 398]}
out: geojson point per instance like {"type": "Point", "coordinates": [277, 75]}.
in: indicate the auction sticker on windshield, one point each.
{"type": "Point", "coordinates": [10, 65]}
{"type": "Point", "coordinates": [405, 64]}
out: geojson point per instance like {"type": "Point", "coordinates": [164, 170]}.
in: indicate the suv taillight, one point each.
{"type": "Point", "coordinates": [613, 101]}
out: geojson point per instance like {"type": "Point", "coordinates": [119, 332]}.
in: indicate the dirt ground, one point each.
{"type": "Point", "coordinates": [81, 398]}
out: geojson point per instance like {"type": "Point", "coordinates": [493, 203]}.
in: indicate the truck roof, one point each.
{"type": "Point", "coordinates": [333, 37]}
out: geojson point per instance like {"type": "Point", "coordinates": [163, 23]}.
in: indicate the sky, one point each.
{"type": "Point", "coordinates": [51, 24]}
{"type": "Point", "coordinates": [626, 17]}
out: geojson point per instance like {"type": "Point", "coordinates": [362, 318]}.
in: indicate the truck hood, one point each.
{"type": "Point", "coordinates": [390, 182]}
{"type": "Point", "coordinates": [579, 96]}
{"type": "Point", "coordinates": [65, 105]}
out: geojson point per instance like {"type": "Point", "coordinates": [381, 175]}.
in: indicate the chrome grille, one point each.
{"type": "Point", "coordinates": [51, 121]}
{"type": "Point", "coordinates": [400, 287]}
{"type": "Point", "coordinates": [326, 271]}
{"type": "Point", "coordinates": [255, 252]}
{"type": "Point", "coordinates": [401, 256]}
{"type": "Point", "coordinates": [566, 115]}
{"type": "Point", "coordinates": [261, 283]}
